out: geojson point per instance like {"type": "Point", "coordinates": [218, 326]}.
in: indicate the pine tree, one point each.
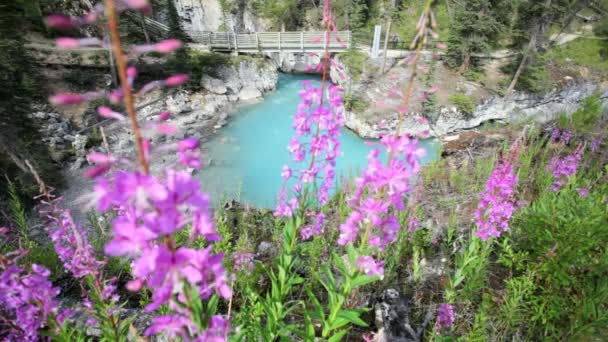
{"type": "Point", "coordinates": [350, 14]}
{"type": "Point", "coordinates": [474, 29]}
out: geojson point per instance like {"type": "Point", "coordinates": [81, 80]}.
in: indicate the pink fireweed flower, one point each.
{"type": "Point", "coordinates": [497, 202]}
{"type": "Point", "coordinates": [108, 113]}
{"type": "Point", "coordinates": [164, 116]}
{"type": "Point", "coordinates": [67, 99]}
{"type": "Point", "coordinates": [596, 144]}
{"type": "Point", "coordinates": [583, 192]}
{"type": "Point", "coordinates": [243, 262]}
{"type": "Point", "coordinates": [563, 168]}
{"type": "Point", "coordinates": [316, 143]}
{"type": "Point", "coordinates": [313, 229]}
{"type": "Point", "coordinates": [189, 153]}
{"type": "Point", "coordinates": [60, 21]}
{"type": "Point", "coordinates": [413, 224]}
{"type": "Point", "coordinates": [140, 5]}
{"type": "Point", "coordinates": [165, 46]}
{"type": "Point", "coordinates": [370, 267]}
{"type": "Point", "coordinates": [379, 191]}
{"type": "Point", "coordinates": [27, 300]}
{"type": "Point", "coordinates": [72, 245]}
{"type": "Point", "coordinates": [176, 80]}
{"type": "Point", "coordinates": [445, 318]}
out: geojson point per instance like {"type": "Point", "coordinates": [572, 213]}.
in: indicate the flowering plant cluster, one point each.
{"type": "Point", "coordinates": [149, 210]}
{"type": "Point", "coordinates": [497, 202]}
{"type": "Point", "coordinates": [445, 318]}
{"type": "Point", "coordinates": [27, 299]}
{"type": "Point", "coordinates": [316, 144]}
{"type": "Point", "coordinates": [562, 168]}
{"type": "Point", "coordinates": [379, 193]}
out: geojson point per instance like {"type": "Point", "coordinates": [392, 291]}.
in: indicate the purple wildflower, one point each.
{"type": "Point", "coordinates": [596, 144]}
{"type": "Point", "coordinates": [314, 229]}
{"type": "Point", "coordinates": [413, 224]}
{"type": "Point", "coordinates": [555, 134]}
{"type": "Point", "coordinates": [445, 318]}
{"type": "Point", "coordinates": [369, 266]}
{"type": "Point", "coordinates": [583, 192]}
{"type": "Point", "coordinates": [317, 127]}
{"type": "Point", "coordinates": [566, 136]}
{"type": "Point", "coordinates": [391, 182]}
{"type": "Point", "coordinates": [27, 299]}
{"type": "Point", "coordinates": [497, 203]}
{"type": "Point", "coordinates": [563, 168]}
{"type": "Point", "coordinates": [243, 262]}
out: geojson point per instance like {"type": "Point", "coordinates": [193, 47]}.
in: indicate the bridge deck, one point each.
{"type": "Point", "coordinates": [273, 41]}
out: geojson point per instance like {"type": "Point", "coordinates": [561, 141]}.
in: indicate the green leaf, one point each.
{"type": "Point", "coordinates": [337, 336]}
{"type": "Point", "coordinates": [353, 317]}
{"type": "Point", "coordinates": [363, 279]}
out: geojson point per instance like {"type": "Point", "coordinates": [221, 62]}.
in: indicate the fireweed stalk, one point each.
{"type": "Point", "coordinates": [151, 209]}
{"type": "Point", "coordinates": [498, 202]}
{"type": "Point", "coordinates": [317, 124]}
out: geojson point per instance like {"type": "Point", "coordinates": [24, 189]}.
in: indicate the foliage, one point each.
{"type": "Point", "coordinates": [463, 102]}
{"type": "Point", "coordinates": [354, 61]}
{"type": "Point", "coordinates": [581, 52]}
{"type": "Point", "coordinates": [473, 29]}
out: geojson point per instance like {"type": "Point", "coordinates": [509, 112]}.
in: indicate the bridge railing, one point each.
{"type": "Point", "coordinates": [274, 41]}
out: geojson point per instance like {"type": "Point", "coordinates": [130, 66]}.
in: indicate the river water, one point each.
{"type": "Point", "coordinates": [246, 156]}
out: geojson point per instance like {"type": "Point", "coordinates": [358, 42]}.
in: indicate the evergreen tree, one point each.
{"type": "Point", "coordinates": [350, 14]}
{"type": "Point", "coordinates": [473, 29]}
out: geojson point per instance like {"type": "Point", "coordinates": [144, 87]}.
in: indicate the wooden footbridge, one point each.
{"type": "Point", "coordinates": [304, 41]}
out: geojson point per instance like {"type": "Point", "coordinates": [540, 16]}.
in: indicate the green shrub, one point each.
{"type": "Point", "coordinates": [354, 61]}
{"type": "Point", "coordinates": [586, 117]}
{"type": "Point", "coordinates": [560, 240]}
{"type": "Point", "coordinates": [355, 103]}
{"type": "Point", "coordinates": [463, 102]}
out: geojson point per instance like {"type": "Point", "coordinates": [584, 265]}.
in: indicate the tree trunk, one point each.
{"type": "Point", "coordinates": [522, 65]}
{"type": "Point", "coordinates": [466, 62]}
{"type": "Point", "coordinates": [386, 37]}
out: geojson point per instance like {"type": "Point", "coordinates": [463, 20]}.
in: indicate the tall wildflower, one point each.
{"type": "Point", "coordinates": [316, 143]}
{"type": "Point", "coordinates": [382, 188]}
{"type": "Point", "coordinates": [150, 209]}
{"type": "Point", "coordinates": [497, 202]}
{"type": "Point", "coordinates": [379, 193]}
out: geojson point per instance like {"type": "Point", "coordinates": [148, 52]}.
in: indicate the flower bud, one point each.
{"type": "Point", "coordinates": [66, 99]}
{"type": "Point", "coordinates": [176, 80]}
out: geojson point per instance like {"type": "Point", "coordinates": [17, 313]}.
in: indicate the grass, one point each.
{"type": "Point", "coordinates": [582, 52]}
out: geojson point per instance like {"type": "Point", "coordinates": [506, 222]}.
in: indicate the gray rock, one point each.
{"type": "Point", "coordinates": [79, 144]}
{"type": "Point", "coordinates": [249, 93]}
{"type": "Point", "coordinates": [266, 250]}
{"type": "Point", "coordinates": [179, 103]}
{"type": "Point", "coordinates": [214, 85]}
{"type": "Point", "coordinates": [520, 107]}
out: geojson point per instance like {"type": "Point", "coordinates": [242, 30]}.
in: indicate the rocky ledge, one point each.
{"type": "Point", "coordinates": [520, 107]}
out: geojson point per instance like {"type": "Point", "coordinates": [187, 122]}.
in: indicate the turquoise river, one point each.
{"type": "Point", "coordinates": [246, 157]}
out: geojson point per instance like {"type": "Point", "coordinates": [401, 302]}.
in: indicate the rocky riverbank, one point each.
{"type": "Point", "coordinates": [378, 96]}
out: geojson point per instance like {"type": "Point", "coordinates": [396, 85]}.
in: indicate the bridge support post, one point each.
{"type": "Point", "coordinates": [257, 41]}
{"type": "Point", "coordinates": [279, 40]}
{"type": "Point", "coordinates": [236, 44]}
{"type": "Point", "coordinates": [302, 41]}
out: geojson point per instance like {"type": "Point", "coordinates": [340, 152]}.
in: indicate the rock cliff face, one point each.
{"type": "Point", "coordinates": [208, 15]}
{"type": "Point", "coordinates": [519, 107]}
